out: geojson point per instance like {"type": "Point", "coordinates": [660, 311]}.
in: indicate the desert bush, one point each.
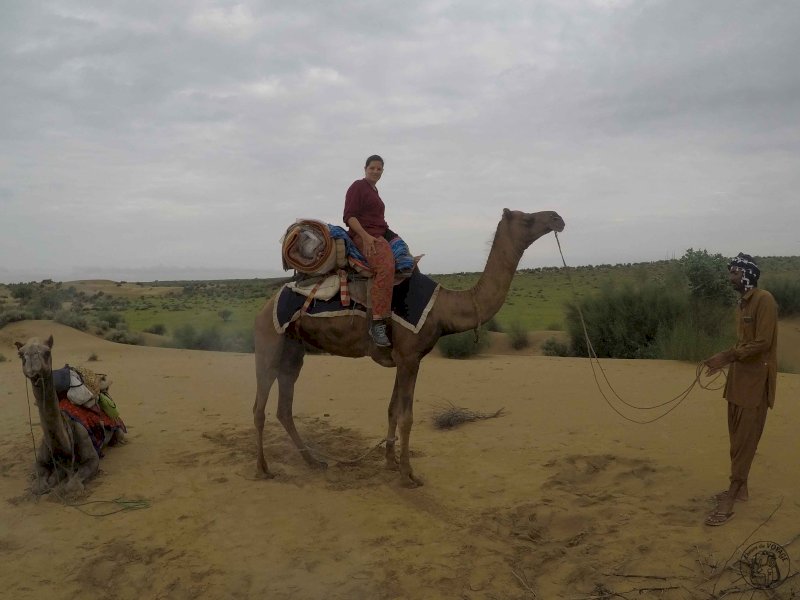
{"type": "Point", "coordinates": [210, 338]}
{"type": "Point", "coordinates": [225, 314]}
{"type": "Point", "coordinates": [463, 345]}
{"type": "Point", "coordinates": [158, 329]}
{"type": "Point", "coordinates": [518, 336]}
{"type": "Point", "coordinates": [11, 316]}
{"type": "Point", "coordinates": [697, 335]}
{"type": "Point", "coordinates": [493, 325]}
{"type": "Point", "coordinates": [787, 294]}
{"type": "Point", "coordinates": [93, 357]}
{"type": "Point", "coordinates": [112, 318]}
{"type": "Point", "coordinates": [624, 322]}
{"type": "Point", "coordinates": [124, 337]}
{"type": "Point", "coordinates": [552, 347]}
{"type": "Point", "coordinates": [2, 358]}
{"type": "Point", "coordinates": [71, 319]}
{"type": "Point", "coordinates": [707, 275]}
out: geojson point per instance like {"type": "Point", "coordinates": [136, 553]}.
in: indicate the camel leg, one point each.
{"type": "Point", "coordinates": [268, 349]}
{"type": "Point", "coordinates": [46, 472]}
{"type": "Point", "coordinates": [407, 380]}
{"type": "Point", "coordinates": [85, 456]}
{"type": "Point", "coordinates": [391, 457]}
{"type": "Point", "coordinates": [291, 363]}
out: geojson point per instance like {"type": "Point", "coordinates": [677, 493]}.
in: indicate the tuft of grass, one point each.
{"type": "Point", "coordinates": [93, 357]}
{"type": "Point", "coordinates": [518, 336]}
{"type": "Point", "coordinates": [452, 415]}
{"type": "Point", "coordinates": [552, 347]}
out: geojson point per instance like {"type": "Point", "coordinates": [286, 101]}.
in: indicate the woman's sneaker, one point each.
{"type": "Point", "coordinates": [378, 334]}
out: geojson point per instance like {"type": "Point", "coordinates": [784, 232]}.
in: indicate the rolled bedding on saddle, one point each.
{"type": "Point", "coordinates": [307, 247]}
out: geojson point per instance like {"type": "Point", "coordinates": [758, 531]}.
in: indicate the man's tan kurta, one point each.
{"type": "Point", "coordinates": [750, 387]}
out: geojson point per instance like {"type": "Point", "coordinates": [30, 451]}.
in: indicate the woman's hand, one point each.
{"type": "Point", "coordinates": [369, 244]}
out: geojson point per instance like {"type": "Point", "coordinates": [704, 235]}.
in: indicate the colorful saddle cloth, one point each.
{"type": "Point", "coordinates": [403, 261]}
{"type": "Point", "coordinates": [96, 423]}
{"type": "Point", "coordinates": [412, 300]}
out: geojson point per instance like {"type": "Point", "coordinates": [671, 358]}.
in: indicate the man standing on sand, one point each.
{"type": "Point", "coordinates": [750, 386]}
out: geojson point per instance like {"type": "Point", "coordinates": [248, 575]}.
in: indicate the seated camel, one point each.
{"type": "Point", "coordinates": [67, 450]}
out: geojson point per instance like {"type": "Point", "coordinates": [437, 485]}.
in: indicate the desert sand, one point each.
{"type": "Point", "coordinates": [559, 497]}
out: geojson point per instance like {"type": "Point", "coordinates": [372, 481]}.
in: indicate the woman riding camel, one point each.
{"type": "Point", "coordinates": [364, 215]}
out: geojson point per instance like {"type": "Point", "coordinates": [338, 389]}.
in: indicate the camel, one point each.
{"type": "Point", "coordinates": [280, 356]}
{"type": "Point", "coordinates": [65, 444]}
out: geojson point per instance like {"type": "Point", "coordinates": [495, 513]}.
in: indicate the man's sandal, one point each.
{"type": "Point", "coordinates": [717, 518]}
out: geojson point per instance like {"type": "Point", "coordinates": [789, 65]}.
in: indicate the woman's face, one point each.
{"type": "Point", "coordinates": [373, 171]}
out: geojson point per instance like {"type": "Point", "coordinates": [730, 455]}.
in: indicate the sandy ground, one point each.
{"type": "Point", "coordinates": [558, 498]}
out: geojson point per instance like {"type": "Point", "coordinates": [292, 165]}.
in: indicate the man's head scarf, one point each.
{"type": "Point", "coordinates": [748, 265]}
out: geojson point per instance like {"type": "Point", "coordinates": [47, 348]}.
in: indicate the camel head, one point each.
{"type": "Point", "coordinates": [36, 359]}
{"type": "Point", "coordinates": [529, 227]}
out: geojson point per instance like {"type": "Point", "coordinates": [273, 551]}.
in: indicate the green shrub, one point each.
{"type": "Point", "coordinates": [158, 329]}
{"type": "Point", "coordinates": [210, 338]}
{"type": "Point", "coordinates": [783, 367]}
{"type": "Point", "coordinates": [696, 337]}
{"type": "Point", "coordinates": [787, 294]}
{"type": "Point", "coordinates": [124, 337]}
{"type": "Point", "coordinates": [624, 322]}
{"type": "Point", "coordinates": [552, 347]}
{"type": "Point", "coordinates": [112, 318]}
{"type": "Point", "coordinates": [708, 277]}
{"type": "Point", "coordinates": [11, 316]}
{"type": "Point", "coordinates": [493, 325]}
{"type": "Point", "coordinates": [71, 319]}
{"type": "Point", "coordinates": [463, 345]}
{"type": "Point", "coordinates": [518, 336]}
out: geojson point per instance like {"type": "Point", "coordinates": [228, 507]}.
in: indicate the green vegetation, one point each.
{"type": "Point", "coordinates": [787, 294]}
{"type": "Point", "coordinates": [518, 336]}
{"type": "Point", "coordinates": [683, 316]}
{"type": "Point", "coordinates": [464, 344]}
{"type": "Point", "coordinates": [667, 309]}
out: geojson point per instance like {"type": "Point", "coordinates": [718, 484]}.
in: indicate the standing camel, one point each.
{"type": "Point", "coordinates": [65, 444]}
{"type": "Point", "coordinates": [280, 356]}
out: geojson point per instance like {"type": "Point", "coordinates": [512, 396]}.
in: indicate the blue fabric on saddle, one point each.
{"type": "Point", "coordinates": [412, 299]}
{"type": "Point", "coordinates": [403, 261]}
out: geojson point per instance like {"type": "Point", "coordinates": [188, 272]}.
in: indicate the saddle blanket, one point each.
{"type": "Point", "coordinates": [96, 423]}
{"type": "Point", "coordinates": [412, 300]}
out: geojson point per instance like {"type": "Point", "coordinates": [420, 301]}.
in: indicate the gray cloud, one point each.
{"type": "Point", "coordinates": [147, 136]}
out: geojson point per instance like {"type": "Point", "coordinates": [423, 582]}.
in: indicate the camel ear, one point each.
{"type": "Point", "coordinates": [506, 213]}
{"type": "Point", "coordinates": [18, 345]}
{"type": "Point", "coordinates": [49, 342]}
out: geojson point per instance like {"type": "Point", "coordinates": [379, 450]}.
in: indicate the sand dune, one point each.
{"type": "Point", "coordinates": [560, 496]}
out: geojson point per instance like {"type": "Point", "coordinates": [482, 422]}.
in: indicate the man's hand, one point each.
{"type": "Point", "coordinates": [715, 363]}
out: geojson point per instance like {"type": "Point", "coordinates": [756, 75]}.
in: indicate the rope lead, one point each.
{"type": "Point", "coordinates": [593, 359]}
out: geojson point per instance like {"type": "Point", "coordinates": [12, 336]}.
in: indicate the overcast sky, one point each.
{"type": "Point", "coordinates": [159, 140]}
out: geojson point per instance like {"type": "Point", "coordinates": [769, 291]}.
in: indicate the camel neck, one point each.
{"type": "Point", "coordinates": [50, 416]}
